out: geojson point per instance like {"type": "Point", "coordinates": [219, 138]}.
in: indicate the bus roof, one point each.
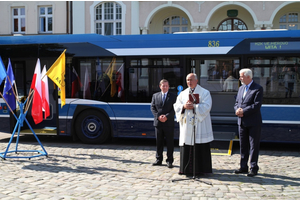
{"type": "Point", "coordinates": [194, 44]}
{"type": "Point", "coordinates": [47, 39]}
{"type": "Point", "coordinates": [162, 44]}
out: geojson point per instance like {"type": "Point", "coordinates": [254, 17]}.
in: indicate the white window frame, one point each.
{"type": "Point", "coordinates": [288, 22]}
{"type": "Point", "coordinates": [170, 26]}
{"type": "Point", "coordinates": [116, 23]}
{"type": "Point", "coordinates": [47, 17]}
{"type": "Point", "coordinates": [19, 17]}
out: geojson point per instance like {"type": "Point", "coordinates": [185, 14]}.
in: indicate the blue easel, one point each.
{"type": "Point", "coordinates": [19, 124]}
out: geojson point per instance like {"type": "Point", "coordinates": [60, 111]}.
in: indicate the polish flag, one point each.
{"type": "Point", "coordinates": [36, 108]}
{"type": "Point", "coordinates": [76, 84]}
{"type": "Point", "coordinates": [86, 86]}
{"type": "Point", "coordinates": [45, 93]}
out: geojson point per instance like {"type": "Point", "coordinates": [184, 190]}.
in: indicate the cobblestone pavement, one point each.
{"type": "Point", "coordinates": [124, 171]}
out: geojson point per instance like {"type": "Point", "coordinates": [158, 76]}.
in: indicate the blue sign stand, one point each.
{"type": "Point", "coordinates": [19, 124]}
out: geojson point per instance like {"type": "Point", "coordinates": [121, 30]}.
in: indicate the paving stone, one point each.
{"type": "Point", "coordinates": [116, 171]}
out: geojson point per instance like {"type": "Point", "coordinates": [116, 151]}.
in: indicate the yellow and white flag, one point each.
{"type": "Point", "coordinates": [57, 74]}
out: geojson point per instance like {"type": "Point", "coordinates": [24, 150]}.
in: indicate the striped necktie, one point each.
{"type": "Point", "coordinates": [245, 91]}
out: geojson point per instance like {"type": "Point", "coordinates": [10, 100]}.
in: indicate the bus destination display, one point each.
{"type": "Point", "coordinates": [269, 46]}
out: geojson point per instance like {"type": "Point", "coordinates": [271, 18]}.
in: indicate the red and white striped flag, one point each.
{"type": "Point", "coordinates": [76, 84]}
{"type": "Point", "coordinates": [45, 93]}
{"type": "Point", "coordinates": [36, 85]}
{"type": "Point", "coordinates": [86, 86]}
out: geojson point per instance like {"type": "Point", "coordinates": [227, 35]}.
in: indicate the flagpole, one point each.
{"type": "Point", "coordinates": [120, 67]}
{"type": "Point", "coordinates": [17, 97]}
{"type": "Point", "coordinates": [13, 88]}
{"type": "Point", "coordinates": [29, 100]}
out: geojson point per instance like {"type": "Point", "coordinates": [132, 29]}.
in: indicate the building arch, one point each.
{"type": "Point", "coordinates": [275, 12]}
{"type": "Point", "coordinates": [159, 8]}
{"type": "Point", "coordinates": [221, 5]}
{"type": "Point", "coordinates": [284, 8]}
{"type": "Point", "coordinates": [92, 14]}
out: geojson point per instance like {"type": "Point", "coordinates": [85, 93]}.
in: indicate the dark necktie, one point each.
{"type": "Point", "coordinates": [164, 98]}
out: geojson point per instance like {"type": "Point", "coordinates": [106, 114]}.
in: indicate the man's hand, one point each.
{"type": "Point", "coordinates": [239, 112]}
{"type": "Point", "coordinates": [162, 118]}
{"type": "Point", "coordinates": [188, 105]}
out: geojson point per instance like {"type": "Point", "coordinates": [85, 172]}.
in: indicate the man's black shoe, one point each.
{"type": "Point", "coordinates": [241, 171]}
{"type": "Point", "coordinates": [170, 165]}
{"type": "Point", "coordinates": [252, 173]}
{"type": "Point", "coordinates": [157, 162]}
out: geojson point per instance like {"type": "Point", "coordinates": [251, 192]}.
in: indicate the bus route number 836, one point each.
{"type": "Point", "coordinates": [213, 43]}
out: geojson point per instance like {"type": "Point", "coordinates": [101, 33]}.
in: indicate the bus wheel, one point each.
{"type": "Point", "coordinates": [92, 127]}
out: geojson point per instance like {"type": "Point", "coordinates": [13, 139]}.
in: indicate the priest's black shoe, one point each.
{"type": "Point", "coordinates": [157, 162]}
{"type": "Point", "coordinates": [241, 171]}
{"type": "Point", "coordinates": [252, 173]}
{"type": "Point", "coordinates": [170, 165]}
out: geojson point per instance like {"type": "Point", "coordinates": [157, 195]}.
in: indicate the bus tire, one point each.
{"type": "Point", "coordinates": [92, 127]}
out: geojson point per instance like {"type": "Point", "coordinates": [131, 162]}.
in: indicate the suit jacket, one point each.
{"type": "Point", "coordinates": [159, 108]}
{"type": "Point", "coordinates": [251, 105]}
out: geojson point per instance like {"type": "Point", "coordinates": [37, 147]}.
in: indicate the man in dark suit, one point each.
{"type": "Point", "coordinates": [163, 112]}
{"type": "Point", "coordinates": [247, 108]}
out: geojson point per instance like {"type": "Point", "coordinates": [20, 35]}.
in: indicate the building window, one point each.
{"type": "Point", "coordinates": [232, 24]}
{"type": "Point", "coordinates": [19, 20]}
{"type": "Point", "coordinates": [45, 19]}
{"type": "Point", "coordinates": [289, 21]}
{"type": "Point", "coordinates": [108, 19]}
{"type": "Point", "coordinates": [175, 24]}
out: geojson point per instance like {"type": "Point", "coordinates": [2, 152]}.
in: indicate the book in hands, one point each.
{"type": "Point", "coordinates": [194, 98]}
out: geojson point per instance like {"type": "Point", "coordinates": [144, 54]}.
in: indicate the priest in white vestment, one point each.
{"type": "Point", "coordinates": [194, 118]}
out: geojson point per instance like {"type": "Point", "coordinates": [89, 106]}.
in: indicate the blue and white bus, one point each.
{"type": "Point", "coordinates": [114, 97]}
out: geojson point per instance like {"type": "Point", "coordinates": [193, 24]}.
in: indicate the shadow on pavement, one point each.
{"type": "Point", "coordinates": [75, 164]}
{"type": "Point", "coordinates": [263, 179]}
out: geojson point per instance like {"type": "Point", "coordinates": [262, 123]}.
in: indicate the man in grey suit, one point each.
{"type": "Point", "coordinates": [163, 112]}
{"type": "Point", "coordinates": [247, 108]}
